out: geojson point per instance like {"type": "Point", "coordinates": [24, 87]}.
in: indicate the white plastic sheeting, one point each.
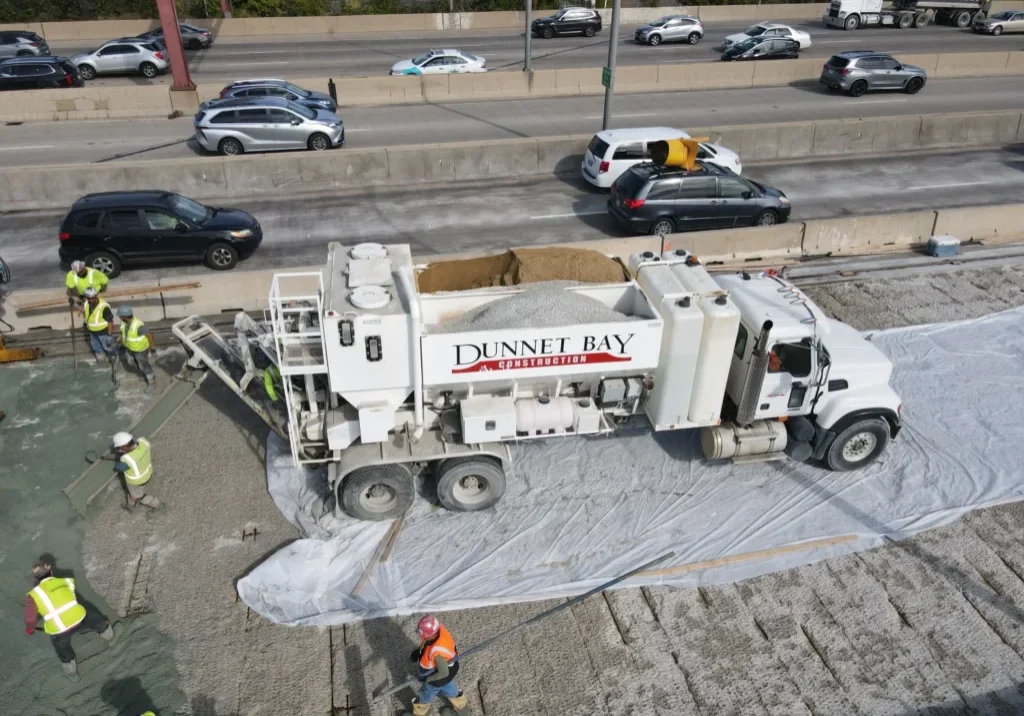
{"type": "Point", "coordinates": [581, 511]}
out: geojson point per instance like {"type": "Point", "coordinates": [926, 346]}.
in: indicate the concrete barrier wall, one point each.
{"type": "Point", "coordinates": [103, 30]}
{"type": "Point", "coordinates": [103, 102]}
{"type": "Point", "coordinates": [47, 187]}
{"type": "Point", "coordinates": [86, 103]}
{"type": "Point", "coordinates": [247, 290]}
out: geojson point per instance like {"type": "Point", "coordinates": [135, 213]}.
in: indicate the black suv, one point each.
{"type": "Point", "coordinates": [568, 21]}
{"type": "Point", "coordinates": [661, 200]}
{"type": "Point", "coordinates": [123, 228]}
{"type": "Point", "coordinates": [29, 73]}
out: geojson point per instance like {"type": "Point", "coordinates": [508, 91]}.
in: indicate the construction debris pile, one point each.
{"type": "Point", "coordinates": [580, 511]}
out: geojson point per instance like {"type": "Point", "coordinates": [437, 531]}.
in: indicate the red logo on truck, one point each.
{"type": "Point", "coordinates": [540, 353]}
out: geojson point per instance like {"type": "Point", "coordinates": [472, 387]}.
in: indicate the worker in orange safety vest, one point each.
{"type": "Point", "coordinates": [437, 666]}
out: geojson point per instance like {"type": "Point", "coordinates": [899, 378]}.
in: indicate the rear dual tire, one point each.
{"type": "Point", "coordinates": [384, 492]}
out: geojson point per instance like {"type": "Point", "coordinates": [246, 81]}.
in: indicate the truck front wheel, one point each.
{"type": "Point", "coordinates": [377, 492]}
{"type": "Point", "coordinates": [852, 23]}
{"type": "Point", "coordinates": [469, 484]}
{"type": "Point", "coordinates": [858, 445]}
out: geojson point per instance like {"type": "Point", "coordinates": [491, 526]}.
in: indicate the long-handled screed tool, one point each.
{"type": "Point", "coordinates": [410, 683]}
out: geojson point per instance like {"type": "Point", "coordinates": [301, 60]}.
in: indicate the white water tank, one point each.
{"type": "Point", "coordinates": [668, 402]}
{"type": "Point", "coordinates": [542, 415]}
{"type": "Point", "coordinates": [721, 323]}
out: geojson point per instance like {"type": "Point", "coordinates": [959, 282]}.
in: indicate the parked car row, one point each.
{"type": "Point", "coordinates": [35, 68]}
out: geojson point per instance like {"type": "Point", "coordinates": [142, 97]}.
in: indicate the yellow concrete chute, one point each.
{"type": "Point", "coordinates": [676, 152]}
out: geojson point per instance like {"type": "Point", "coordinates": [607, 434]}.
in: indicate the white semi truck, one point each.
{"type": "Point", "coordinates": [851, 14]}
{"type": "Point", "coordinates": [382, 381]}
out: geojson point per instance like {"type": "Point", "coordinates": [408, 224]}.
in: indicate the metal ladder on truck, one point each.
{"type": "Point", "coordinates": [295, 319]}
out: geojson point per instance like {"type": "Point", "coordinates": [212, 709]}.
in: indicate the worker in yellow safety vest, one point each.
{"type": "Point", "coordinates": [99, 321]}
{"type": "Point", "coordinates": [81, 277]}
{"type": "Point", "coordinates": [53, 599]}
{"type": "Point", "coordinates": [138, 343]}
{"type": "Point", "coordinates": [272, 382]}
{"type": "Point", "coordinates": [135, 464]}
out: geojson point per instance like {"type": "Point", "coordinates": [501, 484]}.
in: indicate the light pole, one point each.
{"type": "Point", "coordinates": [529, 36]}
{"type": "Point", "coordinates": [608, 78]}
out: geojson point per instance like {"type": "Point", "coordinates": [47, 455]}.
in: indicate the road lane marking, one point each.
{"type": "Point", "coordinates": [37, 146]}
{"type": "Point", "coordinates": [620, 116]}
{"type": "Point", "coordinates": [243, 64]}
{"type": "Point", "coordinates": [573, 214]}
{"type": "Point", "coordinates": [885, 101]}
{"type": "Point", "coordinates": [948, 186]}
{"type": "Point", "coordinates": [363, 129]}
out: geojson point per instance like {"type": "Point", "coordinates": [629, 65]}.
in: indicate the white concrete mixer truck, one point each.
{"type": "Point", "coordinates": [383, 379]}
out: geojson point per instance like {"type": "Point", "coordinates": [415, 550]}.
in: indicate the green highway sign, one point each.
{"type": "Point", "coordinates": [606, 77]}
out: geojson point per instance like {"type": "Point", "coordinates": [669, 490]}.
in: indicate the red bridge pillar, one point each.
{"type": "Point", "coordinates": [172, 38]}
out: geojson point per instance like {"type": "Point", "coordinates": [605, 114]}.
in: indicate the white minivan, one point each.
{"type": "Point", "coordinates": [613, 151]}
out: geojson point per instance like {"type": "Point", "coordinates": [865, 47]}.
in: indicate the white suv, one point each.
{"type": "Point", "coordinates": [127, 55]}
{"type": "Point", "coordinates": [613, 151]}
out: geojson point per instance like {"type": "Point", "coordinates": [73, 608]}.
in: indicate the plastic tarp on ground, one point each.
{"type": "Point", "coordinates": [581, 511]}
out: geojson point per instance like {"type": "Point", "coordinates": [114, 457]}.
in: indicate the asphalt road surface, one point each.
{"type": "Point", "coordinates": [360, 56]}
{"type": "Point", "coordinates": [487, 216]}
{"type": "Point", "coordinates": [91, 141]}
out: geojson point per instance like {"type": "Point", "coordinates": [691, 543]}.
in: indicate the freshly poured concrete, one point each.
{"type": "Point", "coordinates": [929, 626]}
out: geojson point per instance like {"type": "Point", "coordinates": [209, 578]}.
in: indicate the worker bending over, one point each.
{"type": "Point", "coordinates": [99, 320]}
{"type": "Point", "coordinates": [138, 343]}
{"type": "Point", "coordinates": [437, 672]}
{"type": "Point", "coordinates": [80, 277]}
{"type": "Point", "coordinates": [135, 464]}
{"type": "Point", "coordinates": [53, 599]}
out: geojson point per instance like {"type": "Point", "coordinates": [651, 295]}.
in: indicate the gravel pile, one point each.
{"type": "Point", "coordinates": [540, 306]}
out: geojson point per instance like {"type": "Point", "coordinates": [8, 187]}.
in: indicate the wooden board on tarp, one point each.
{"type": "Point", "coordinates": [87, 486]}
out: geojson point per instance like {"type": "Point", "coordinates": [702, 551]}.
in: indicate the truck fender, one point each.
{"type": "Point", "coordinates": [825, 435]}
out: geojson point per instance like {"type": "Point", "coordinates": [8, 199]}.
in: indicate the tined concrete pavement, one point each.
{"type": "Point", "coordinates": [927, 626]}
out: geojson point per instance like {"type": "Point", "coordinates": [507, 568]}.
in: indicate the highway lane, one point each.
{"type": "Point", "coordinates": [486, 216]}
{"type": "Point", "coordinates": [74, 142]}
{"type": "Point", "coordinates": [359, 55]}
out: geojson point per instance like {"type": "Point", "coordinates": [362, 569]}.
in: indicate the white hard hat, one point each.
{"type": "Point", "coordinates": [90, 292]}
{"type": "Point", "coordinates": [77, 265]}
{"type": "Point", "coordinates": [121, 439]}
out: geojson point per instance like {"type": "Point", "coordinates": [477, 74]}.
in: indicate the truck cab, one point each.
{"type": "Point", "coordinates": [820, 377]}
